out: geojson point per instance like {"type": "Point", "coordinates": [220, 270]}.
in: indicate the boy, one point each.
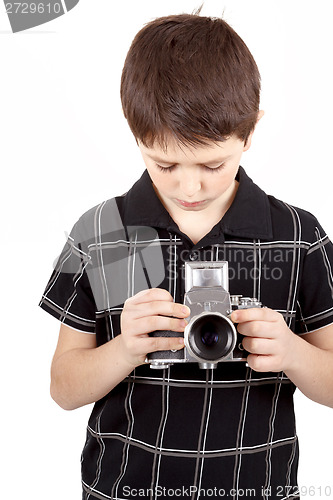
{"type": "Point", "coordinates": [190, 92]}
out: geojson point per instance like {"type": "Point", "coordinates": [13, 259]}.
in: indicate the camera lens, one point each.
{"type": "Point", "coordinates": [209, 337]}
{"type": "Point", "coordinates": [212, 337]}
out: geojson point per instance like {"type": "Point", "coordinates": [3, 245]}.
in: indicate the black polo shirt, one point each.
{"type": "Point", "coordinates": [186, 431]}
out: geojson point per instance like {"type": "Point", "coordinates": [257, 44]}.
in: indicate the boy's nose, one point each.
{"type": "Point", "coordinates": [190, 185]}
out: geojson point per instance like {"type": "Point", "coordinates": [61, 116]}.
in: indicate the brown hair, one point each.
{"type": "Point", "coordinates": [190, 77]}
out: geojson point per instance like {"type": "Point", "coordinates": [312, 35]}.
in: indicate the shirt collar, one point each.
{"type": "Point", "coordinates": [249, 215]}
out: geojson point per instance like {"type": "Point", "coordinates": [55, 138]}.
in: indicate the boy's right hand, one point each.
{"type": "Point", "coordinates": [145, 312]}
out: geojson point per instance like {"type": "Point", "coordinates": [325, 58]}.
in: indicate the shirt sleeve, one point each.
{"type": "Point", "coordinates": [68, 295]}
{"type": "Point", "coordinates": [315, 302]}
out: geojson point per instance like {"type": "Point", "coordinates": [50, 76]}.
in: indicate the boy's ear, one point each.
{"type": "Point", "coordinates": [249, 139]}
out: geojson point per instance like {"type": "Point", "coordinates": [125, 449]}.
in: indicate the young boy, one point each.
{"type": "Point", "coordinates": [190, 92]}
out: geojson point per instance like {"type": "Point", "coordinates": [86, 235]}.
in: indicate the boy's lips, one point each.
{"type": "Point", "coordinates": [185, 203]}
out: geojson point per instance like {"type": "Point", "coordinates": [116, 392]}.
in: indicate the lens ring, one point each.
{"type": "Point", "coordinates": [210, 337]}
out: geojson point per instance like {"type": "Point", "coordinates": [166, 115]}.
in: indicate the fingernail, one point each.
{"type": "Point", "coordinates": [186, 310]}
{"type": "Point", "coordinates": [179, 346]}
{"type": "Point", "coordinates": [234, 316]}
{"type": "Point", "coordinates": [183, 322]}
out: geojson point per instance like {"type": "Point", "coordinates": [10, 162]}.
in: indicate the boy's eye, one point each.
{"type": "Point", "coordinates": [171, 167]}
{"type": "Point", "coordinates": [215, 169]}
{"type": "Point", "coordinates": [165, 169]}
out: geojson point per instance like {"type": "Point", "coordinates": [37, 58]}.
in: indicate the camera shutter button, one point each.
{"type": "Point", "coordinates": [193, 256]}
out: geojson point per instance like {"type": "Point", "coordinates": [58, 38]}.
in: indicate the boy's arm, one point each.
{"type": "Point", "coordinates": [313, 371]}
{"type": "Point", "coordinates": [306, 360]}
{"type": "Point", "coordinates": [82, 373]}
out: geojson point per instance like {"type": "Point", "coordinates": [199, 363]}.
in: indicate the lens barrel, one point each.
{"type": "Point", "coordinates": [211, 337]}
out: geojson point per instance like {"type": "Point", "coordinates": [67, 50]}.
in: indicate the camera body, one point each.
{"type": "Point", "coordinates": [210, 336]}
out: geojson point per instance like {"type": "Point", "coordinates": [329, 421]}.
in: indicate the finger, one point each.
{"type": "Point", "coordinates": [258, 345]}
{"type": "Point", "coordinates": [153, 323]}
{"type": "Point", "coordinates": [254, 314]}
{"type": "Point", "coordinates": [261, 363]}
{"type": "Point", "coordinates": [159, 307]}
{"type": "Point", "coordinates": [153, 344]}
{"type": "Point", "coordinates": [149, 295]}
{"type": "Point", "coordinates": [260, 329]}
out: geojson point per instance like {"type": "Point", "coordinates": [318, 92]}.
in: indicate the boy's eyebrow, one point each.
{"type": "Point", "coordinates": [210, 162]}
{"type": "Point", "coordinates": [216, 161]}
{"type": "Point", "coordinates": [160, 160]}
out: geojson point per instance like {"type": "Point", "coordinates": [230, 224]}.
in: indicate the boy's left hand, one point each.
{"type": "Point", "coordinates": [271, 344]}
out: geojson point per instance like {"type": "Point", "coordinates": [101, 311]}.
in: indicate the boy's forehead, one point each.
{"type": "Point", "coordinates": [174, 151]}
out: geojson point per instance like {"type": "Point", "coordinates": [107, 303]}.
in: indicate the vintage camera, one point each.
{"type": "Point", "coordinates": [210, 336]}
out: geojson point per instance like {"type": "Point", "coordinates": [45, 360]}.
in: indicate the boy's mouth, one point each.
{"type": "Point", "coordinates": [191, 204]}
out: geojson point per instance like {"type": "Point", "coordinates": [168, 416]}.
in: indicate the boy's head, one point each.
{"type": "Point", "coordinates": [191, 79]}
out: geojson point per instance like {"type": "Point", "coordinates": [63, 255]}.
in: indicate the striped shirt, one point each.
{"type": "Point", "coordinates": [186, 431]}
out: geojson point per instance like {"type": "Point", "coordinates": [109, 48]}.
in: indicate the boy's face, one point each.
{"type": "Point", "coordinates": [195, 179]}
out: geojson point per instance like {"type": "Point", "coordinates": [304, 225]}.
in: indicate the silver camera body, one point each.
{"type": "Point", "coordinates": [210, 336]}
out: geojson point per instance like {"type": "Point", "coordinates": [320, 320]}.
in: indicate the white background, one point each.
{"type": "Point", "coordinates": [65, 147]}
